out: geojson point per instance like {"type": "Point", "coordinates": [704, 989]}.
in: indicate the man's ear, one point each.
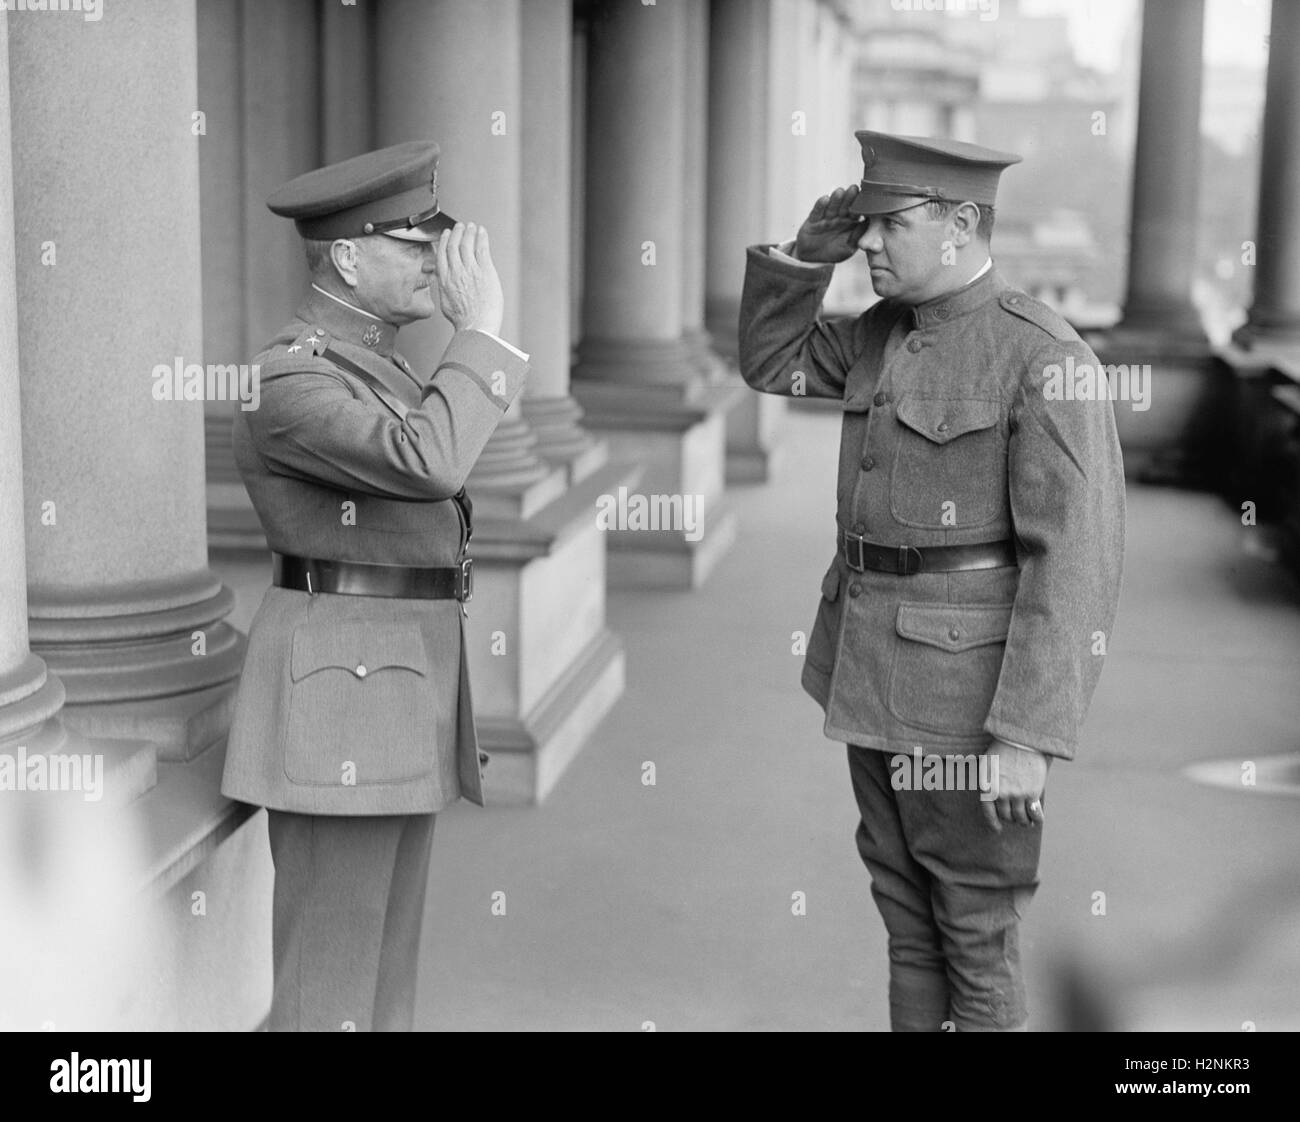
{"type": "Point", "coordinates": [965, 221]}
{"type": "Point", "coordinates": [343, 254]}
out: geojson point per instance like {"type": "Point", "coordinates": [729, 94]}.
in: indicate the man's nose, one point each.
{"type": "Point", "coordinates": [871, 241]}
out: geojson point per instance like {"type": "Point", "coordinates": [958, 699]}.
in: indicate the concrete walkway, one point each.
{"type": "Point", "coordinates": [627, 904]}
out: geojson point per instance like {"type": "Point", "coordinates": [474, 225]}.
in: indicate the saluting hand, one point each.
{"type": "Point", "coordinates": [830, 233]}
{"type": "Point", "coordinates": [1021, 777]}
{"type": "Point", "coordinates": [468, 286]}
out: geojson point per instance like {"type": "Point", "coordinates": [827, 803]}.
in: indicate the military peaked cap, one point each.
{"type": "Point", "coordinates": [391, 191]}
{"type": "Point", "coordinates": [901, 171]}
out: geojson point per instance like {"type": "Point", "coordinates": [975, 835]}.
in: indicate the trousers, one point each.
{"type": "Point", "coordinates": [346, 915]}
{"type": "Point", "coordinates": [951, 892]}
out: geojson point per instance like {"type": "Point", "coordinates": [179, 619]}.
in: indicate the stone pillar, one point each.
{"type": "Point", "coordinates": [1178, 439]}
{"type": "Point", "coordinates": [122, 604]}
{"type": "Point", "coordinates": [637, 376]}
{"type": "Point", "coordinates": [452, 73]}
{"type": "Point", "coordinates": [545, 328]}
{"type": "Point", "coordinates": [259, 74]}
{"type": "Point", "coordinates": [695, 195]}
{"type": "Point", "coordinates": [1275, 313]}
{"type": "Point", "coordinates": [740, 177]}
{"type": "Point", "coordinates": [490, 84]}
{"type": "Point", "coordinates": [1166, 172]}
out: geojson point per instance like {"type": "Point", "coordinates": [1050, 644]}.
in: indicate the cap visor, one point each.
{"type": "Point", "coordinates": [882, 202]}
{"type": "Point", "coordinates": [427, 231]}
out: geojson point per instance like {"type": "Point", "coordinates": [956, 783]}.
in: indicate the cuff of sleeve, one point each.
{"type": "Point", "coordinates": [772, 260]}
{"type": "Point", "coordinates": [785, 252]}
{"type": "Point", "coordinates": [512, 349]}
{"type": "Point", "coordinates": [494, 366]}
{"type": "Point", "coordinates": [1024, 738]}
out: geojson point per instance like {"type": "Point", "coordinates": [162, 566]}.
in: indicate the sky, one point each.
{"type": "Point", "coordinates": [1234, 29]}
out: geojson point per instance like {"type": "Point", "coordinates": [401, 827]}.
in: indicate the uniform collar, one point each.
{"type": "Point", "coordinates": [347, 323]}
{"type": "Point", "coordinates": [984, 286]}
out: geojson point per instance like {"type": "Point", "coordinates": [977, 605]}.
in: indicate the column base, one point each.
{"type": "Point", "coordinates": [528, 755]}
{"type": "Point", "coordinates": [180, 727]}
{"type": "Point", "coordinates": [544, 667]}
{"type": "Point", "coordinates": [650, 559]}
{"type": "Point", "coordinates": [1176, 439]}
{"type": "Point", "coordinates": [681, 444]}
{"type": "Point", "coordinates": [561, 439]}
{"type": "Point", "coordinates": [102, 771]}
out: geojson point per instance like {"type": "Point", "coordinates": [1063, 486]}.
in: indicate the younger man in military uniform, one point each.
{"type": "Point", "coordinates": [977, 553]}
{"type": "Point", "coordinates": [353, 722]}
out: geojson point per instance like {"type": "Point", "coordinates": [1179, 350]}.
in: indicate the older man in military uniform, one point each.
{"type": "Point", "coordinates": [977, 554]}
{"type": "Point", "coordinates": [353, 723]}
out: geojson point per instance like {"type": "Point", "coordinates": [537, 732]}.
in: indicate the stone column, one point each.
{"type": "Point", "coordinates": [488, 80]}
{"type": "Point", "coordinates": [258, 79]}
{"type": "Point", "coordinates": [741, 123]}
{"type": "Point", "coordinates": [695, 195]}
{"type": "Point", "coordinates": [1166, 171]}
{"type": "Point", "coordinates": [452, 73]}
{"type": "Point", "coordinates": [122, 604]}
{"type": "Point", "coordinates": [637, 375]}
{"type": "Point", "coordinates": [546, 274]}
{"type": "Point", "coordinates": [1178, 439]}
{"type": "Point", "coordinates": [1275, 313]}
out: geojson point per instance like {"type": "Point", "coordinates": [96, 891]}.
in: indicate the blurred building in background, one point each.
{"type": "Point", "coordinates": [623, 154]}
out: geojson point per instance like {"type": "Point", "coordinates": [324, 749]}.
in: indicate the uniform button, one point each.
{"type": "Point", "coordinates": [942, 426]}
{"type": "Point", "coordinates": [942, 312]}
{"type": "Point", "coordinates": [954, 633]}
{"type": "Point", "coordinates": [868, 463]}
{"type": "Point", "coordinates": [914, 345]}
{"type": "Point", "coordinates": [880, 399]}
{"type": "Point", "coordinates": [361, 671]}
{"type": "Point", "coordinates": [859, 527]}
{"type": "Point", "coordinates": [1013, 299]}
{"type": "Point", "coordinates": [855, 589]}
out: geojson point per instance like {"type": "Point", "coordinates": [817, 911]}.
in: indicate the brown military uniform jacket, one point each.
{"type": "Point", "coordinates": [357, 704]}
{"type": "Point", "coordinates": [949, 438]}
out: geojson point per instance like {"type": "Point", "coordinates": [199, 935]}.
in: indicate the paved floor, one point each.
{"type": "Point", "coordinates": [627, 904]}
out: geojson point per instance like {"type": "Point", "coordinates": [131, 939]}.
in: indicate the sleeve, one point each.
{"type": "Point", "coordinates": [785, 346]}
{"type": "Point", "coordinates": [1066, 482]}
{"type": "Point", "coordinates": [309, 425]}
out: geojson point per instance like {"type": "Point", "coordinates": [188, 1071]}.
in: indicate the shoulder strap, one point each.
{"type": "Point", "coordinates": [376, 387]}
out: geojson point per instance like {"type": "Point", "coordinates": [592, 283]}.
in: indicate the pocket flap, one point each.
{"type": "Point", "coordinates": [954, 627]}
{"type": "Point", "coordinates": [831, 582]}
{"type": "Point", "coordinates": [360, 648]}
{"type": "Point", "coordinates": [942, 419]}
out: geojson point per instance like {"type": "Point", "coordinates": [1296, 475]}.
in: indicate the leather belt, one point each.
{"type": "Point", "coordinates": [908, 560]}
{"type": "Point", "coordinates": [358, 578]}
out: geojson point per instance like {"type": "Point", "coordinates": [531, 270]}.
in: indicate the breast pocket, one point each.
{"type": "Point", "coordinates": [946, 665]}
{"type": "Point", "coordinates": [362, 711]}
{"type": "Point", "coordinates": [950, 466]}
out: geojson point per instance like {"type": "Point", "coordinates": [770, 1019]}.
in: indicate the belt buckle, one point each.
{"type": "Point", "coordinates": [861, 566]}
{"type": "Point", "coordinates": [466, 591]}
{"type": "Point", "coordinates": [907, 567]}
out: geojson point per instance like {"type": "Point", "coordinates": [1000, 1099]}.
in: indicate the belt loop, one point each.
{"type": "Point", "coordinates": [910, 560]}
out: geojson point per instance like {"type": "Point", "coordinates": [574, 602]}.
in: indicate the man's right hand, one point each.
{"type": "Point", "coordinates": [469, 289]}
{"type": "Point", "coordinates": [830, 233]}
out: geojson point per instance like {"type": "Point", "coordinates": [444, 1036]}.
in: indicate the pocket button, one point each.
{"type": "Point", "coordinates": [361, 671]}
{"type": "Point", "coordinates": [954, 633]}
